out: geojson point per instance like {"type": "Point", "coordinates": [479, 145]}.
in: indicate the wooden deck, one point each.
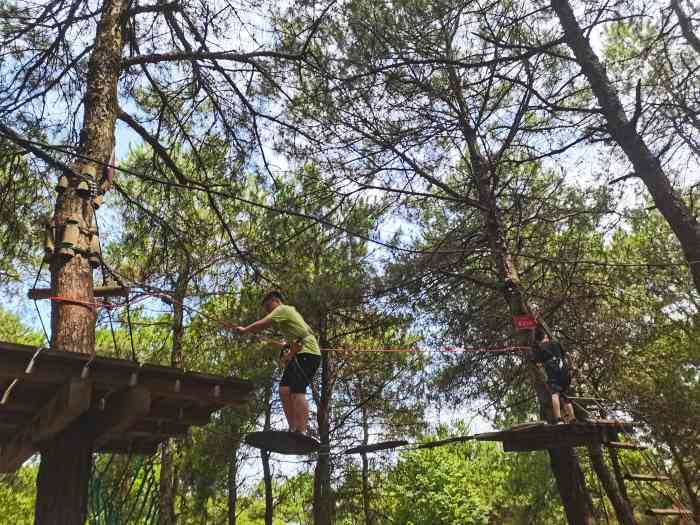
{"type": "Point", "coordinates": [134, 407]}
{"type": "Point", "coordinates": [542, 436]}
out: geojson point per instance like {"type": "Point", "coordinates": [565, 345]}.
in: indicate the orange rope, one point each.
{"type": "Point", "coordinates": [229, 326]}
{"type": "Point", "coordinates": [94, 304]}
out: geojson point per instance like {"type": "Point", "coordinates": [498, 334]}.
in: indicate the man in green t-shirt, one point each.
{"type": "Point", "coordinates": [300, 362]}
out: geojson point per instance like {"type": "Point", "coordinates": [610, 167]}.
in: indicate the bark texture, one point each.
{"type": "Point", "coordinates": [66, 461]}
{"type": "Point", "coordinates": [686, 26]}
{"type": "Point", "coordinates": [687, 478]}
{"type": "Point", "coordinates": [232, 486]}
{"type": "Point", "coordinates": [168, 475]}
{"type": "Point", "coordinates": [323, 504]}
{"type": "Point", "coordinates": [64, 473]}
{"type": "Point", "coordinates": [369, 516]}
{"type": "Point", "coordinates": [563, 461]}
{"type": "Point", "coordinates": [623, 511]}
{"type": "Point", "coordinates": [265, 458]}
{"type": "Point", "coordinates": [619, 476]}
{"type": "Point", "coordinates": [623, 130]}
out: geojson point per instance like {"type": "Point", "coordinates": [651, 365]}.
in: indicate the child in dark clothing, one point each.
{"type": "Point", "coordinates": [548, 355]}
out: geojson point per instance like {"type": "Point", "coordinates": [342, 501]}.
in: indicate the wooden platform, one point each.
{"type": "Point", "coordinates": [542, 436]}
{"type": "Point", "coordinates": [134, 407]}
{"type": "Point", "coordinates": [283, 442]}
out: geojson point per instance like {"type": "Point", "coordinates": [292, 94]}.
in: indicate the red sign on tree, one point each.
{"type": "Point", "coordinates": [524, 322]}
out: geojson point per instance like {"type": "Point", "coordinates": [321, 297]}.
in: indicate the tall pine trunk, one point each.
{"type": "Point", "coordinates": [66, 461]}
{"type": "Point", "coordinates": [686, 476]}
{"type": "Point", "coordinates": [324, 503]}
{"type": "Point", "coordinates": [623, 130]}
{"type": "Point", "coordinates": [232, 487]}
{"type": "Point", "coordinates": [265, 458]}
{"type": "Point", "coordinates": [623, 511]}
{"type": "Point", "coordinates": [563, 461]}
{"type": "Point", "coordinates": [369, 517]}
{"type": "Point", "coordinates": [168, 475]}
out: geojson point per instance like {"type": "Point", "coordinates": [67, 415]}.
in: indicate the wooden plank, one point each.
{"type": "Point", "coordinates": [19, 419]}
{"type": "Point", "coordinates": [532, 443]}
{"type": "Point", "coordinates": [114, 374]}
{"type": "Point", "coordinates": [122, 411]}
{"type": "Point", "coordinates": [69, 403]}
{"type": "Point", "coordinates": [644, 477]}
{"type": "Point", "coordinates": [669, 512]}
{"type": "Point", "coordinates": [37, 294]}
{"type": "Point", "coordinates": [191, 416]}
{"type": "Point", "coordinates": [282, 442]}
{"type": "Point", "coordinates": [4, 345]}
{"type": "Point", "coordinates": [13, 454]}
{"type": "Point", "coordinates": [625, 445]}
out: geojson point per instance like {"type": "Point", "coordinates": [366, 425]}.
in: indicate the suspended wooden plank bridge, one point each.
{"type": "Point", "coordinates": [132, 407]}
{"type": "Point", "coordinates": [543, 436]}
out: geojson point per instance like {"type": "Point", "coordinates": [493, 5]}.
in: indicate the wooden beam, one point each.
{"type": "Point", "coordinates": [14, 418]}
{"type": "Point", "coordinates": [122, 411]}
{"type": "Point", "coordinates": [669, 512]}
{"type": "Point", "coordinates": [37, 294]}
{"type": "Point", "coordinates": [644, 477]}
{"type": "Point", "coordinates": [530, 443]}
{"type": "Point", "coordinates": [190, 416]}
{"type": "Point", "coordinates": [13, 454]}
{"type": "Point", "coordinates": [55, 367]}
{"type": "Point", "coordinates": [623, 445]}
{"type": "Point", "coordinates": [70, 402]}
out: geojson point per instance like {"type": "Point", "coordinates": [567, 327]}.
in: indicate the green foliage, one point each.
{"type": "Point", "coordinates": [23, 214]}
{"type": "Point", "coordinates": [13, 330]}
{"type": "Point", "coordinates": [469, 484]}
{"type": "Point", "coordinates": [17, 493]}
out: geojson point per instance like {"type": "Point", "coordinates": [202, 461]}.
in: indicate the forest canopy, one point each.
{"type": "Point", "coordinates": [411, 175]}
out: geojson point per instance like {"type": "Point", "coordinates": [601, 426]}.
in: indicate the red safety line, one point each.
{"type": "Point", "coordinates": [445, 350]}
{"type": "Point", "coordinates": [229, 326]}
{"type": "Point", "coordinates": [94, 304]}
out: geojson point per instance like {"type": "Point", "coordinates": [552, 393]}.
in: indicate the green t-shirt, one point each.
{"type": "Point", "coordinates": [287, 320]}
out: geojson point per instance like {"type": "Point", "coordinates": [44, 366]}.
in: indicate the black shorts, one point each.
{"type": "Point", "coordinates": [559, 383]}
{"type": "Point", "coordinates": [300, 371]}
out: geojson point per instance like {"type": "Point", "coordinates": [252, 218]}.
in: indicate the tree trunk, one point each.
{"type": "Point", "coordinates": [232, 486]}
{"type": "Point", "coordinates": [66, 461]}
{"type": "Point", "coordinates": [619, 476]}
{"type": "Point", "coordinates": [323, 504]}
{"type": "Point", "coordinates": [563, 461]}
{"type": "Point", "coordinates": [623, 511]}
{"type": "Point", "coordinates": [166, 500]}
{"type": "Point", "coordinates": [265, 457]}
{"type": "Point", "coordinates": [647, 166]}
{"type": "Point", "coordinates": [686, 477]}
{"type": "Point", "coordinates": [686, 26]}
{"type": "Point", "coordinates": [168, 476]}
{"type": "Point", "coordinates": [369, 518]}
{"type": "Point", "coordinates": [64, 473]}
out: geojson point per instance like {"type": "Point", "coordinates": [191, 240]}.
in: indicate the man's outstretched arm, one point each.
{"type": "Point", "coordinates": [255, 327]}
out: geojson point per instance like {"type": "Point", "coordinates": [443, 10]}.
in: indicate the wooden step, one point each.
{"type": "Point", "coordinates": [669, 512]}
{"type": "Point", "coordinates": [628, 446]}
{"type": "Point", "coordinates": [644, 477]}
